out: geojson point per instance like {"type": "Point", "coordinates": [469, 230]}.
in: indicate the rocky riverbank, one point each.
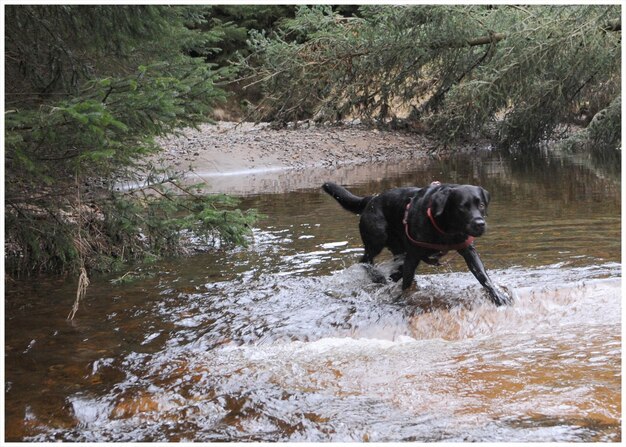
{"type": "Point", "coordinates": [230, 147]}
{"type": "Point", "coordinates": [245, 158]}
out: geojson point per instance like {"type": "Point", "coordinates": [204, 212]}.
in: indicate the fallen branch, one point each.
{"type": "Point", "coordinates": [83, 279]}
{"type": "Point", "coordinates": [81, 291]}
{"type": "Point", "coordinates": [486, 40]}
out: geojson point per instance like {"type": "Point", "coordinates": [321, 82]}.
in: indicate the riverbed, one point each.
{"type": "Point", "coordinates": [288, 339]}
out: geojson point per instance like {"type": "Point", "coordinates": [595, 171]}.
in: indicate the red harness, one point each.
{"type": "Point", "coordinates": [438, 247]}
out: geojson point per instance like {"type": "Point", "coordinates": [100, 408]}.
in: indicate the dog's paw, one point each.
{"type": "Point", "coordinates": [375, 275]}
{"type": "Point", "coordinates": [501, 296]}
{"type": "Point", "coordinates": [396, 276]}
{"type": "Point", "coordinates": [406, 294]}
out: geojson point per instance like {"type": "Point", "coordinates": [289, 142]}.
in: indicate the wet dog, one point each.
{"type": "Point", "coordinates": [423, 224]}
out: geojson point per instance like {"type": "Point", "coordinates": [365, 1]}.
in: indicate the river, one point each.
{"type": "Point", "coordinates": [288, 339]}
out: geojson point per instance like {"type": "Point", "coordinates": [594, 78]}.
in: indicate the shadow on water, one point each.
{"type": "Point", "coordinates": [289, 340]}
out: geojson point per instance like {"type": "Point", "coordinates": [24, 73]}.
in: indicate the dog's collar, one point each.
{"type": "Point", "coordinates": [438, 247]}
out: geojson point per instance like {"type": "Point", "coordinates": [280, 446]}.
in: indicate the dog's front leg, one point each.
{"type": "Point", "coordinates": [408, 270]}
{"type": "Point", "coordinates": [478, 269]}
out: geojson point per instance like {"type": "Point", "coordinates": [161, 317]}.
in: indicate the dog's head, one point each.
{"type": "Point", "coordinates": [461, 209]}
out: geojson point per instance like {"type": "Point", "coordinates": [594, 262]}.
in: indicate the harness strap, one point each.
{"type": "Point", "coordinates": [438, 247]}
{"type": "Point", "coordinates": [429, 213]}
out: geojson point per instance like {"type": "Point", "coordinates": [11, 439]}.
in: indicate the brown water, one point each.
{"type": "Point", "coordinates": [289, 340]}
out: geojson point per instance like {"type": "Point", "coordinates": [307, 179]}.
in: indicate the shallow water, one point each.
{"type": "Point", "coordinates": [288, 339]}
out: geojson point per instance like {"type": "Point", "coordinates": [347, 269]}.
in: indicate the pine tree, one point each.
{"type": "Point", "coordinates": [88, 88]}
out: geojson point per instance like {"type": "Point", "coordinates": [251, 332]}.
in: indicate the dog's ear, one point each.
{"type": "Point", "coordinates": [486, 197]}
{"type": "Point", "coordinates": [439, 200]}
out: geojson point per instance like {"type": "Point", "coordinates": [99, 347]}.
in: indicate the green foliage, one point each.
{"type": "Point", "coordinates": [234, 22]}
{"type": "Point", "coordinates": [88, 89]}
{"type": "Point", "coordinates": [553, 59]}
{"type": "Point", "coordinates": [512, 73]}
{"type": "Point", "coordinates": [170, 220]}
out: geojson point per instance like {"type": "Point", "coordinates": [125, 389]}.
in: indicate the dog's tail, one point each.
{"type": "Point", "coordinates": [346, 199]}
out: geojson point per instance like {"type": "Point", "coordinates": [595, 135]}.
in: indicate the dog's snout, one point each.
{"type": "Point", "coordinates": [478, 226]}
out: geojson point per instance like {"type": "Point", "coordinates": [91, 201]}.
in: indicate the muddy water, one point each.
{"type": "Point", "coordinates": [289, 340]}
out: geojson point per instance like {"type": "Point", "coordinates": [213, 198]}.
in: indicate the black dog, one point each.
{"type": "Point", "coordinates": [423, 223]}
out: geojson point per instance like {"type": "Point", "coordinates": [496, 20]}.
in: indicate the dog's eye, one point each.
{"type": "Point", "coordinates": [481, 206]}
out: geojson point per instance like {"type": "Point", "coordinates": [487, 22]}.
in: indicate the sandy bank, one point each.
{"type": "Point", "coordinates": [252, 158]}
